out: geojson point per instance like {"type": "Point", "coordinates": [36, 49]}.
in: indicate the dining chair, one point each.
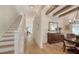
{"type": "Point", "coordinates": [68, 44]}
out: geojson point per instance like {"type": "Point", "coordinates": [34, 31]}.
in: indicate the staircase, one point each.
{"type": "Point", "coordinates": [7, 40]}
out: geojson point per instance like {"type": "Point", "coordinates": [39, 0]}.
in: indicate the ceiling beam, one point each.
{"type": "Point", "coordinates": [53, 7]}
{"type": "Point", "coordinates": [70, 11]}
{"type": "Point", "coordinates": [62, 10]}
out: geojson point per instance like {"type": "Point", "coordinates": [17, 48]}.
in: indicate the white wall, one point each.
{"type": "Point", "coordinates": [44, 28]}
{"type": "Point", "coordinates": [37, 31]}
{"type": "Point", "coordinates": [7, 16]}
{"type": "Point", "coordinates": [37, 27]}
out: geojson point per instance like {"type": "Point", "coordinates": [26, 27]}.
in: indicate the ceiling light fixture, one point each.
{"type": "Point", "coordinates": [77, 14]}
{"type": "Point", "coordinates": [76, 17]}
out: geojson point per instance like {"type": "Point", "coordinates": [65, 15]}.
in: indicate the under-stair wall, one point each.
{"type": "Point", "coordinates": [8, 15]}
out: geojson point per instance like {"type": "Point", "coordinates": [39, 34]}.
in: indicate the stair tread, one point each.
{"type": "Point", "coordinates": [5, 46]}
{"type": "Point", "coordinates": [11, 28]}
{"type": "Point", "coordinates": [8, 36]}
{"type": "Point", "coordinates": [8, 52]}
{"type": "Point", "coordinates": [9, 32]}
{"type": "Point", "coordinates": [7, 40]}
{"type": "Point", "coordinates": [6, 43]}
{"type": "Point", "coordinates": [2, 50]}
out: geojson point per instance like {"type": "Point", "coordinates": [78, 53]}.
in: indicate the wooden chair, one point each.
{"type": "Point", "coordinates": [68, 44]}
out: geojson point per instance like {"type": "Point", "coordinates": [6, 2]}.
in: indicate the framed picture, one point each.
{"type": "Point", "coordinates": [53, 26]}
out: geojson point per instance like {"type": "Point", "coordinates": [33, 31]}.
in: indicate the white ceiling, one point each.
{"type": "Point", "coordinates": [31, 10]}
{"type": "Point", "coordinates": [28, 10]}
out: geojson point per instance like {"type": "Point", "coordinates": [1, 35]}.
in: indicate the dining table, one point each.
{"type": "Point", "coordinates": [76, 42]}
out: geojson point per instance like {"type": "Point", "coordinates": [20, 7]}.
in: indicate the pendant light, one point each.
{"type": "Point", "coordinates": [77, 15]}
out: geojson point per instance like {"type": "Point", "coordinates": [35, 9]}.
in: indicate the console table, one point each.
{"type": "Point", "coordinates": [55, 38]}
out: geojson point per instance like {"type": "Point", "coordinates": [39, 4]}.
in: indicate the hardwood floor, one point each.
{"type": "Point", "coordinates": [48, 49]}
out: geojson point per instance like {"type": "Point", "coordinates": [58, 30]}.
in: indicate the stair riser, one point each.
{"type": "Point", "coordinates": [6, 46]}
{"type": "Point", "coordinates": [8, 52]}
{"type": "Point", "coordinates": [6, 43]}
{"type": "Point", "coordinates": [9, 32]}
{"type": "Point", "coordinates": [8, 36]}
{"type": "Point", "coordinates": [6, 40]}
{"type": "Point", "coordinates": [3, 50]}
{"type": "Point", "coordinates": [12, 27]}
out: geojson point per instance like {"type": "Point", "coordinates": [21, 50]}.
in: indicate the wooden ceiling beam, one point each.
{"type": "Point", "coordinates": [53, 7]}
{"type": "Point", "coordinates": [70, 11]}
{"type": "Point", "coordinates": [62, 10]}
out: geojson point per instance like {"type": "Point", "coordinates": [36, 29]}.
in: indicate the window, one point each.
{"type": "Point", "coordinates": [29, 29]}
{"type": "Point", "coordinates": [75, 28]}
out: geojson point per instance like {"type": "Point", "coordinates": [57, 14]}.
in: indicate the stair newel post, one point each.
{"type": "Point", "coordinates": [19, 37]}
